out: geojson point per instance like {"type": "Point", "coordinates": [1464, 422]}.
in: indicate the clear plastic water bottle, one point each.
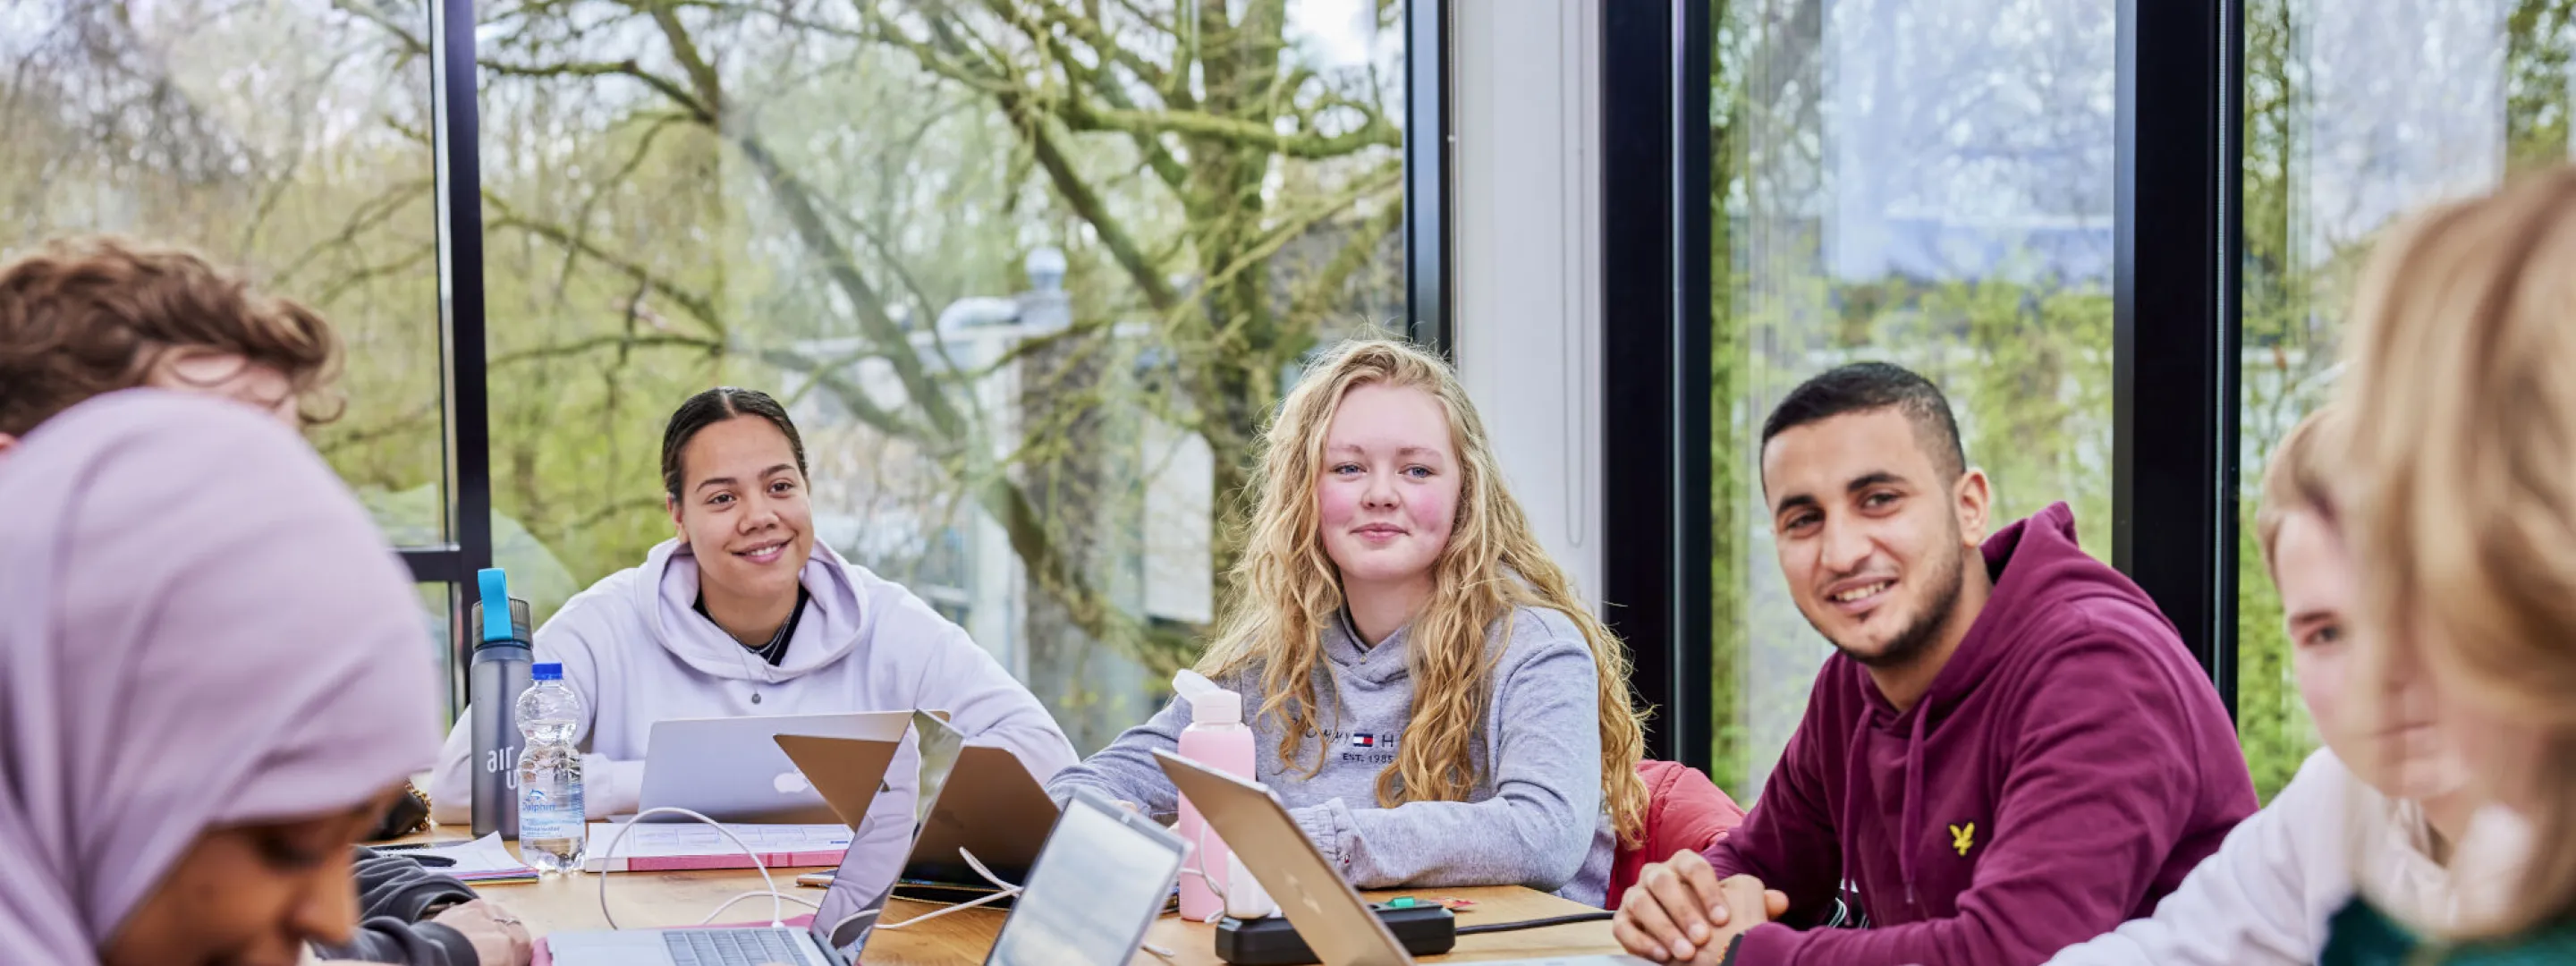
{"type": "Point", "coordinates": [551, 821]}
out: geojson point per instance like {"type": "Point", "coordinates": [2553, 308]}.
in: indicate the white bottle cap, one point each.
{"type": "Point", "coordinates": [1209, 704]}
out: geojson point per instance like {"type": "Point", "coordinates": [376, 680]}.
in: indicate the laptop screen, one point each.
{"type": "Point", "coordinates": [879, 843]}
{"type": "Point", "coordinates": [1103, 879]}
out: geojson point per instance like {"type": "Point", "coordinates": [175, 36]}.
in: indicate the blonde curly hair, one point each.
{"type": "Point", "coordinates": [1287, 590]}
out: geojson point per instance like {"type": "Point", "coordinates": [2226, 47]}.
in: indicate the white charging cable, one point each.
{"type": "Point", "coordinates": [730, 903]}
{"type": "Point", "coordinates": [1008, 891]}
{"type": "Point", "coordinates": [1196, 865]}
{"type": "Point", "coordinates": [777, 909]}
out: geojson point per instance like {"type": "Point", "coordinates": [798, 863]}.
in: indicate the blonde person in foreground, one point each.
{"type": "Point", "coordinates": [2457, 475]}
{"type": "Point", "coordinates": [1426, 693]}
{"type": "Point", "coordinates": [2381, 805]}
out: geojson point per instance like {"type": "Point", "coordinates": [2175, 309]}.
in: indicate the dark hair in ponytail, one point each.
{"type": "Point", "coordinates": [715, 406]}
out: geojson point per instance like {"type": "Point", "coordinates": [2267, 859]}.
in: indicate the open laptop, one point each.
{"type": "Point", "coordinates": [698, 947]}
{"type": "Point", "coordinates": [977, 799]}
{"type": "Point", "coordinates": [1105, 876]}
{"type": "Point", "coordinates": [848, 773]}
{"type": "Point", "coordinates": [731, 770]}
{"type": "Point", "coordinates": [986, 803]}
{"type": "Point", "coordinates": [1330, 915]}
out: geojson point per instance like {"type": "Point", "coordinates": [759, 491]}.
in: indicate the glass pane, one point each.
{"type": "Point", "coordinates": [1919, 182]}
{"type": "Point", "coordinates": [1028, 282]}
{"type": "Point", "coordinates": [438, 610]}
{"type": "Point", "coordinates": [2357, 112]}
{"type": "Point", "coordinates": [290, 139]}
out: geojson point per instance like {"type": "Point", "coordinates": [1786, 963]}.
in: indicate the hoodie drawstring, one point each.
{"type": "Point", "coordinates": [1912, 822]}
{"type": "Point", "coordinates": [1853, 765]}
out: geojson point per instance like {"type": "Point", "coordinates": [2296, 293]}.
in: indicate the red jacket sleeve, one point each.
{"type": "Point", "coordinates": [2102, 785]}
{"type": "Point", "coordinates": [1788, 839]}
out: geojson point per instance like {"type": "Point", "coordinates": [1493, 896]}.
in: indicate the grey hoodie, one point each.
{"type": "Point", "coordinates": [1536, 816]}
{"type": "Point", "coordinates": [396, 896]}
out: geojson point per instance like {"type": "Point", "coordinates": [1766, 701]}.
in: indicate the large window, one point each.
{"type": "Point", "coordinates": [1029, 274]}
{"type": "Point", "coordinates": [1925, 182]}
{"type": "Point", "coordinates": [285, 138]}
{"type": "Point", "coordinates": [2357, 113]}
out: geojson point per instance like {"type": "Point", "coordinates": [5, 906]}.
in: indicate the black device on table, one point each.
{"type": "Point", "coordinates": [1424, 930]}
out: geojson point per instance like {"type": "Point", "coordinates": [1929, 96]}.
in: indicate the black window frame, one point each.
{"type": "Point", "coordinates": [464, 373]}
{"type": "Point", "coordinates": [2177, 229]}
{"type": "Point", "coordinates": [465, 370]}
{"type": "Point", "coordinates": [1656, 326]}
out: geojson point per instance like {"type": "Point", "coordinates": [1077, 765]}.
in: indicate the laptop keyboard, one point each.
{"type": "Point", "coordinates": [733, 947]}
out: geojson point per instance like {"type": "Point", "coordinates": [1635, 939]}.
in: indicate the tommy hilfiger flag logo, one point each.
{"type": "Point", "coordinates": [1363, 740]}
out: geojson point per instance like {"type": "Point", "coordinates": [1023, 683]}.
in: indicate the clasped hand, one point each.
{"type": "Point", "coordinates": [1681, 912]}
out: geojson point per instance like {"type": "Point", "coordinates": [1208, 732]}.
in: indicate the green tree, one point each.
{"type": "Point", "coordinates": [2537, 48]}
{"type": "Point", "coordinates": [2023, 352]}
{"type": "Point", "coordinates": [785, 194]}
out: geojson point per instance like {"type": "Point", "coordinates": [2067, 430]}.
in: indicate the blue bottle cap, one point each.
{"type": "Point", "coordinates": [546, 672]}
{"type": "Point", "coordinates": [495, 588]}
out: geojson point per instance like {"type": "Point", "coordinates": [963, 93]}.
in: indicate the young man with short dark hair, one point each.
{"type": "Point", "coordinates": [2010, 752]}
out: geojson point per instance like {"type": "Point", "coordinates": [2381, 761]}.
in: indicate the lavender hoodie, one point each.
{"type": "Point", "coordinates": [2067, 768]}
{"type": "Point", "coordinates": [637, 654]}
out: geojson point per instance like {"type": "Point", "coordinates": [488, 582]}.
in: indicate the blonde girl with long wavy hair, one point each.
{"type": "Point", "coordinates": [1427, 694]}
{"type": "Point", "coordinates": [2459, 475]}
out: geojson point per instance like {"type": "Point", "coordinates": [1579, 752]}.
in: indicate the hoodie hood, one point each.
{"type": "Point", "coordinates": [833, 626]}
{"type": "Point", "coordinates": [2040, 575]}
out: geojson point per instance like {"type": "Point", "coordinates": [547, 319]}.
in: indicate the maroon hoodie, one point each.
{"type": "Point", "coordinates": [2063, 772]}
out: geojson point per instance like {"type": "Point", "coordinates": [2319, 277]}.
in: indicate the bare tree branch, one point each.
{"type": "Point", "coordinates": [626, 68]}
{"type": "Point", "coordinates": [1077, 194]}
{"type": "Point", "coordinates": [698, 305]}
{"type": "Point", "coordinates": [577, 347]}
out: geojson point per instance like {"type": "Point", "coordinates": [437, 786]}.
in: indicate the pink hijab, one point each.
{"type": "Point", "coordinates": [199, 627]}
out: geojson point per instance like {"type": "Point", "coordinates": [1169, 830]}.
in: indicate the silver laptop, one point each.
{"type": "Point", "coordinates": [1103, 879]}
{"type": "Point", "coordinates": [1105, 876]}
{"type": "Point", "coordinates": [980, 800]}
{"type": "Point", "coordinates": [731, 769]}
{"type": "Point", "coordinates": [852, 769]}
{"type": "Point", "coordinates": [1335, 922]}
{"type": "Point", "coordinates": [697, 947]}
{"type": "Point", "coordinates": [970, 799]}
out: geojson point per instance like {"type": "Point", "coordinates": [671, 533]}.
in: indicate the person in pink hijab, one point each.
{"type": "Point", "coordinates": [212, 679]}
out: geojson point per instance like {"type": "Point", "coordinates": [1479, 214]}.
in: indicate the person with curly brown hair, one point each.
{"type": "Point", "coordinates": [82, 317]}
{"type": "Point", "coordinates": [86, 317]}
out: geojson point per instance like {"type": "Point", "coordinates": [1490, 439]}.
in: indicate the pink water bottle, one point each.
{"type": "Point", "coordinates": [1218, 739]}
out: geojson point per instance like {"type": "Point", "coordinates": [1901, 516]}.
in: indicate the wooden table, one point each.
{"type": "Point", "coordinates": [648, 899]}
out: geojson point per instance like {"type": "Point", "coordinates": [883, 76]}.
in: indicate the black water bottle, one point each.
{"type": "Point", "coordinates": [502, 658]}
